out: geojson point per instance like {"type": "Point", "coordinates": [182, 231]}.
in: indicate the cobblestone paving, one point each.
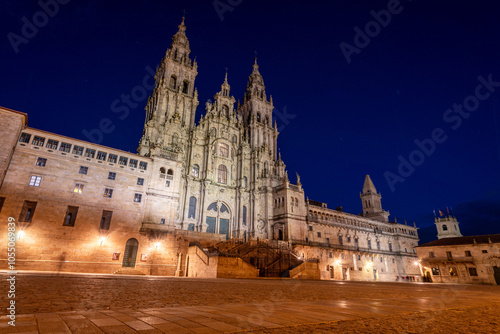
{"type": "Point", "coordinates": [109, 304]}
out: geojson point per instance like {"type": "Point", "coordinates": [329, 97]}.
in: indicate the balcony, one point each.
{"type": "Point", "coordinates": [444, 259]}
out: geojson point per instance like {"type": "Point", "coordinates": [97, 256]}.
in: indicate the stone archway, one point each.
{"type": "Point", "coordinates": [493, 261]}
{"type": "Point", "coordinates": [218, 218]}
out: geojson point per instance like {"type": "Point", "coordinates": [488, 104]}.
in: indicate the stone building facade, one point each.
{"type": "Point", "coordinates": [454, 258]}
{"type": "Point", "coordinates": [90, 208]}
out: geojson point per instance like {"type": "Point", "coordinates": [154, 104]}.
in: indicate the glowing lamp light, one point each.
{"type": "Point", "coordinates": [20, 234]}
{"type": "Point", "coordinates": [101, 241]}
{"type": "Point", "coordinates": [337, 262]}
{"type": "Point", "coordinates": [416, 263]}
{"type": "Point", "coordinates": [157, 244]}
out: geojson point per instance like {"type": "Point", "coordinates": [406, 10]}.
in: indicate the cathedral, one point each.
{"type": "Point", "coordinates": [206, 199]}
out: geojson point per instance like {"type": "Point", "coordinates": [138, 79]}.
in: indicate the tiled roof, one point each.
{"type": "Point", "coordinates": [469, 240]}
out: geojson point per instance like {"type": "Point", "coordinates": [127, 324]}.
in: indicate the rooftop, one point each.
{"type": "Point", "coordinates": [469, 240]}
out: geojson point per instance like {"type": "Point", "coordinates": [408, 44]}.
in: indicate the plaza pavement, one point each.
{"type": "Point", "coordinates": [79, 303]}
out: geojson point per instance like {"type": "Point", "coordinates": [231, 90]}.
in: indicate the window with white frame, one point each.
{"type": "Point", "coordinates": [65, 147]}
{"type": "Point", "coordinates": [78, 188]}
{"type": "Point", "coordinates": [35, 181]}
{"type": "Point", "coordinates": [108, 192]}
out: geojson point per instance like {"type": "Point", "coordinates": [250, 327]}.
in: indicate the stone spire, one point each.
{"type": "Point", "coordinates": [255, 85]}
{"type": "Point", "coordinates": [368, 186]}
{"type": "Point", "coordinates": [180, 42]}
{"type": "Point", "coordinates": [372, 201]}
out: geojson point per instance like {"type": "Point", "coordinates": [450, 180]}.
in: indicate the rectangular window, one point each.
{"type": "Point", "coordinates": [319, 234]}
{"type": "Point", "coordinates": [65, 147]}
{"type": "Point", "coordinates": [143, 165]}
{"type": "Point", "coordinates": [79, 188]}
{"type": "Point", "coordinates": [111, 176]}
{"type": "Point", "coordinates": [485, 251]}
{"type": "Point", "coordinates": [89, 153]}
{"type": "Point", "coordinates": [369, 244]}
{"type": "Point", "coordinates": [348, 239]}
{"type": "Point", "coordinates": [473, 271]}
{"type": "Point", "coordinates": [453, 271]}
{"type": "Point", "coordinates": [25, 138]}
{"type": "Point", "coordinates": [449, 256]}
{"type": "Point", "coordinates": [35, 181]}
{"type": "Point", "coordinates": [123, 161]}
{"type": "Point", "coordinates": [223, 150]}
{"type": "Point", "coordinates": [108, 192]}
{"type": "Point", "coordinates": [41, 162]}
{"type": "Point", "coordinates": [69, 219]}
{"type": "Point", "coordinates": [378, 245]}
{"type": "Point", "coordinates": [38, 141]}
{"type": "Point", "coordinates": [101, 156]}
{"type": "Point", "coordinates": [52, 144]}
{"type": "Point", "coordinates": [431, 254]}
{"type": "Point", "coordinates": [132, 163]}
{"type": "Point", "coordinates": [2, 200]}
{"type": "Point", "coordinates": [341, 241]}
{"type": "Point", "coordinates": [105, 220]}
{"type": "Point", "coordinates": [78, 150]}
{"type": "Point", "coordinates": [137, 198]}
{"type": "Point", "coordinates": [327, 241]}
{"type": "Point", "coordinates": [83, 170]}
{"type": "Point", "coordinates": [162, 221]}
{"type": "Point", "coordinates": [467, 253]}
{"type": "Point", "coordinates": [390, 247]}
{"type": "Point", "coordinates": [330, 255]}
{"type": "Point", "coordinates": [112, 158]}
{"type": "Point", "coordinates": [140, 181]}
{"type": "Point", "coordinates": [342, 256]}
{"type": "Point", "coordinates": [310, 228]}
{"type": "Point", "coordinates": [27, 212]}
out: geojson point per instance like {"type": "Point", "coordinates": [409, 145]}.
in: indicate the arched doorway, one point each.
{"type": "Point", "coordinates": [496, 273]}
{"type": "Point", "coordinates": [218, 219]}
{"type": "Point", "coordinates": [130, 253]}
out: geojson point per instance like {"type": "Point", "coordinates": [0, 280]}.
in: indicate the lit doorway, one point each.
{"type": "Point", "coordinates": [130, 253]}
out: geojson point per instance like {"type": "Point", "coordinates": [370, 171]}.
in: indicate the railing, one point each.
{"type": "Point", "coordinates": [351, 248]}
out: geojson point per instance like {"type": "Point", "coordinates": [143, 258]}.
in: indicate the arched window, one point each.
{"type": "Point", "coordinates": [196, 170]}
{"type": "Point", "coordinates": [245, 182]}
{"type": "Point", "coordinates": [192, 207]}
{"type": "Point", "coordinates": [244, 216]}
{"type": "Point", "coordinates": [223, 208]}
{"type": "Point", "coordinates": [185, 86]}
{"type": "Point", "coordinates": [258, 117]}
{"type": "Point", "coordinates": [162, 172]}
{"type": "Point", "coordinates": [224, 150]}
{"type": "Point", "coordinates": [173, 82]}
{"type": "Point", "coordinates": [170, 174]}
{"type": "Point", "coordinates": [222, 174]}
{"type": "Point", "coordinates": [234, 139]}
{"type": "Point", "coordinates": [445, 228]}
{"type": "Point", "coordinates": [267, 119]}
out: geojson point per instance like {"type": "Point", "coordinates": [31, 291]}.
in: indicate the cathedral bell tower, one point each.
{"type": "Point", "coordinates": [257, 113]}
{"type": "Point", "coordinates": [170, 110]}
{"type": "Point", "coordinates": [447, 227]}
{"type": "Point", "coordinates": [371, 201]}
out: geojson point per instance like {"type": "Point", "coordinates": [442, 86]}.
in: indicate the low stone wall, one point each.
{"type": "Point", "coordinates": [234, 267]}
{"type": "Point", "coordinates": [306, 270]}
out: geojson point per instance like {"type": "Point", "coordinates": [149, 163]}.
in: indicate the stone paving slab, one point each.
{"type": "Point", "coordinates": [228, 318]}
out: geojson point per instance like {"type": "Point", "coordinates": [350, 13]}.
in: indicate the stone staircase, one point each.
{"type": "Point", "coordinates": [128, 271]}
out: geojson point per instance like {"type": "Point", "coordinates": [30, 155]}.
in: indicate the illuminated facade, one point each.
{"type": "Point", "coordinates": [89, 208]}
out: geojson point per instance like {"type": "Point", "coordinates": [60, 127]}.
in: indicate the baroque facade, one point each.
{"type": "Point", "coordinates": [194, 192]}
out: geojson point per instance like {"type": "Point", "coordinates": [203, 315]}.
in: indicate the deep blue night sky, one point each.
{"type": "Point", "coordinates": [344, 120]}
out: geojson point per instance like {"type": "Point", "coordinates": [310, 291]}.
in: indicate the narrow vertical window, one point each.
{"type": "Point", "coordinates": [27, 212]}
{"type": "Point", "coordinates": [222, 174]}
{"type": "Point", "coordinates": [70, 218]}
{"type": "Point", "coordinates": [105, 220]}
{"type": "Point", "coordinates": [192, 207]}
{"type": "Point", "coordinates": [137, 198]}
{"type": "Point", "coordinates": [244, 216]}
